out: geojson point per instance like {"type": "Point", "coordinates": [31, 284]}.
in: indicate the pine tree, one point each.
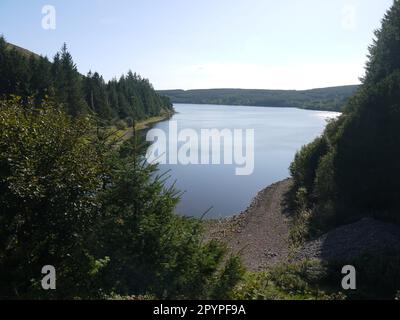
{"type": "Point", "coordinates": [71, 83]}
{"type": "Point", "coordinates": [131, 97]}
{"type": "Point", "coordinates": [3, 57]}
{"type": "Point", "coordinates": [385, 51]}
{"type": "Point", "coordinates": [96, 95]}
{"type": "Point", "coordinates": [357, 172]}
{"type": "Point", "coordinates": [41, 81]}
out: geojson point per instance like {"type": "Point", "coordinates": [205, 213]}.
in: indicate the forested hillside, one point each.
{"type": "Point", "coordinates": [74, 196]}
{"type": "Point", "coordinates": [332, 99]}
{"type": "Point", "coordinates": [353, 169]}
{"type": "Point", "coordinates": [28, 75]}
{"type": "Point", "coordinates": [347, 182]}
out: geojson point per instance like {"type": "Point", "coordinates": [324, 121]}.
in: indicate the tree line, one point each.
{"type": "Point", "coordinates": [26, 75]}
{"type": "Point", "coordinates": [352, 170]}
{"type": "Point", "coordinates": [330, 99]}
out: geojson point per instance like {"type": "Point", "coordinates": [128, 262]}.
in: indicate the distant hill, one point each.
{"type": "Point", "coordinates": [26, 53]}
{"type": "Point", "coordinates": [332, 99]}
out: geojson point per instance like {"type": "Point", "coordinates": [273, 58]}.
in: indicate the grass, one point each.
{"type": "Point", "coordinates": [288, 281]}
{"type": "Point", "coordinates": [126, 133]}
{"type": "Point", "coordinates": [22, 51]}
{"type": "Point", "coordinates": [144, 124]}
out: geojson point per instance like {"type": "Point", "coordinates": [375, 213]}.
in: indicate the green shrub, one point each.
{"type": "Point", "coordinates": [163, 253]}
{"type": "Point", "coordinates": [304, 166]}
{"type": "Point", "coordinates": [50, 172]}
{"type": "Point", "coordinates": [287, 281]}
{"type": "Point", "coordinates": [102, 217]}
{"type": "Point", "coordinates": [129, 122]}
{"type": "Point", "coordinates": [120, 124]}
{"type": "Point", "coordinates": [227, 279]}
{"type": "Point", "coordinates": [300, 229]}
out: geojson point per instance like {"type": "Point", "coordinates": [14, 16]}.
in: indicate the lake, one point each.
{"type": "Point", "coordinates": [278, 134]}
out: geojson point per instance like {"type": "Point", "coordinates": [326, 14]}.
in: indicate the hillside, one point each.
{"type": "Point", "coordinates": [347, 182]}
{"type": "Point", "coordinates": [36, 79]}
{"type": "Point", "coordinates": [353, 169]}
{"type": "Point", "coordinates": [25, 52]}
{"type": "Point", "coordinates": [332, 99]}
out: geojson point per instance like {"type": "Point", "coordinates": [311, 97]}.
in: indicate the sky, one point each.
{"type": "Point", "coordinates": [193, 44]}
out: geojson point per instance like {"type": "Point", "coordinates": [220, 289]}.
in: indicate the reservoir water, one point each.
{"type": "Point", "coordinates": [278, 134]}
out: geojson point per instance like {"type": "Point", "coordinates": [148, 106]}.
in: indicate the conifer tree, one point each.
{"type": "Point", "coordinates": [355, 165]}
{"type": "Point", "coordinates": [130, 97]}
{"type": "Point", "coordinates": [71, 83]}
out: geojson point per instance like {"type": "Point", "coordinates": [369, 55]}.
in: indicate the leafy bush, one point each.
{"type": "Point", "coordinates": [287, 281]}
{"type": "Point", "coordinates": [152, 250]}
{"type": "Point", "coordinates": [129, 122]}
{"type": "Point", "coordinates": [227, 279]}
{"type": "Point", "coordinates": [50, 172]}
{"type": "Point", "coordinates": [377, 277]}
{"type": "Point", "coordinates": [102, 216]}
{"type": "Point", "coordinates": [301, 228]}
{"type": "Point", "coordinates": [120, 124]}
{"type": "Point", "coordinates": [305, 164]}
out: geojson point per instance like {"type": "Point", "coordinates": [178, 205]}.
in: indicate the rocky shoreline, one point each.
{"type": "Point", "coordinates": [349, 241]}
{"type": "Point", "coordinates": [260, 234]}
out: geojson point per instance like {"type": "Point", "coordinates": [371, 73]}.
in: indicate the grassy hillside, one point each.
{"type": "Point", "coordinates": [332, 99]}
{"type": "Point", "coordinates": [22, 51]}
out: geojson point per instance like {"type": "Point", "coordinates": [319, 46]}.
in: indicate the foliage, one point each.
{"type": "Point", "coordinates": [28, 75]}
{"type": "Point", "coordinates": [353, 169]}
{"type": "Point", "coordinates": [67, 83]}
{"type": "Point", "coordinates": [228, 278]}
{"type": "Point", "coordinates": [303, 168]}
{"type": "Point", "coordinates": [287, 281]}
{"type": "Point", "coordinates": [377, 276]}
{"type": "Point", "coordinates": [120, 125]}
{"type": "Point", "coordinates": [301, 227]}
{"type": "Point", "coordinates": [50, 172]}
{"type": "Point", "coordinates": [152, 250]}
{"type": "Point", "coordinates": [100, 214]}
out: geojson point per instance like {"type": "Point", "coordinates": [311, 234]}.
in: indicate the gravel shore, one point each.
{"type": "Point", "coordinates": [347, 242]}
{"type": "Point", "coordinates": [260, 234]}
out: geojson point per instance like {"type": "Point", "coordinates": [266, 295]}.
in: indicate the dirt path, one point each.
{"type": "Point", "coordinates": [259, 234]}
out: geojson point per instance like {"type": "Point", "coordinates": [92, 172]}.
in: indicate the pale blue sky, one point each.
{"type": "Point", "coordinates": [285, 44]}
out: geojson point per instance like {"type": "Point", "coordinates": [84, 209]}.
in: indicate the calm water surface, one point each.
{"type": "Point", "coordinates": [279, 133]}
